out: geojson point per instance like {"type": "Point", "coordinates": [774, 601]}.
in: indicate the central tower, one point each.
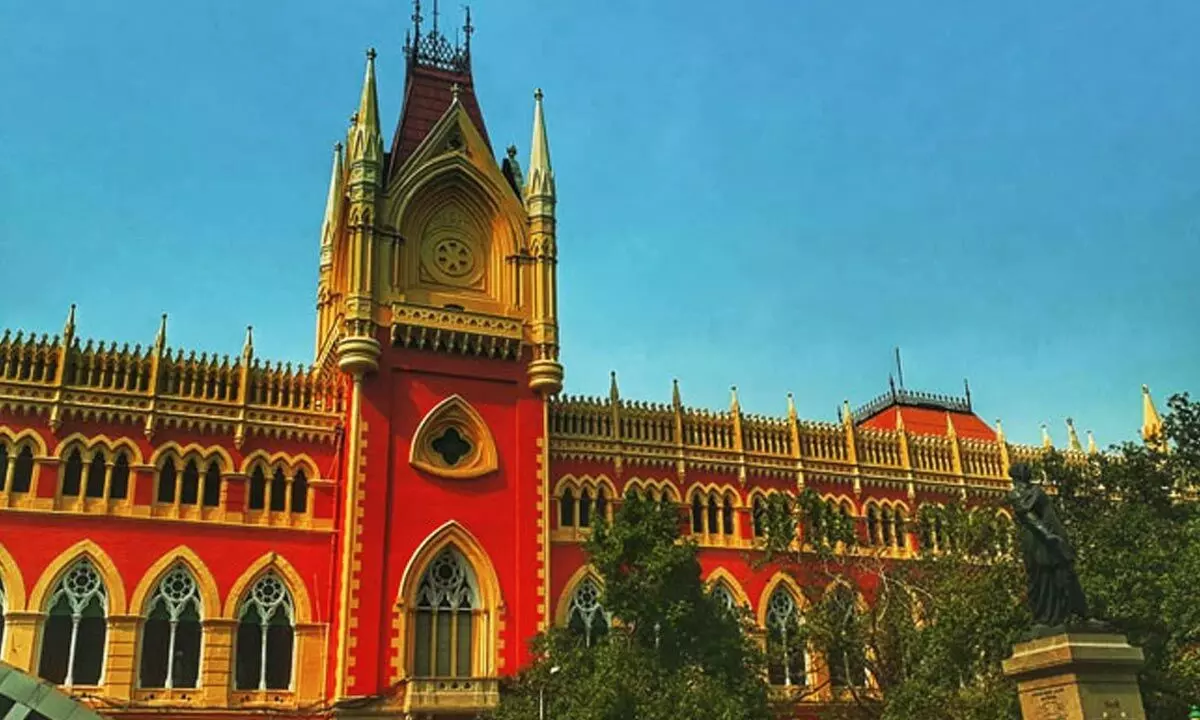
{"type": "Point", "coordinates": [437, 300]}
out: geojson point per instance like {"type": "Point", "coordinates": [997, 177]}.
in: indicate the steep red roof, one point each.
{"type": "Point", "coordinates": [924, 413]}
{"type": "Point", "coordinates": [427, 94]}
{"type": "Point", "coordinates": [927, 421]}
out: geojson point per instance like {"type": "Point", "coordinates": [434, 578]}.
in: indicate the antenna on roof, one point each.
{"type": "Point", "coordinates": [899, 368]}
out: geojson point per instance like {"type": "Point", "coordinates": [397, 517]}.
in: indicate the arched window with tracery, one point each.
{"type": "Point", "coordinates": [191, 481]}
{"type": "Point", "coordinates": [847, 662]}
{"type": "Point", "coordinates": [76, 628]}
{"type": "Point", "coordinates": [697, 514]}
{"type": "Point", "coordinates": [266, 636]}
{"type": "Point", "coordinates": [787, 662]}
{"type": "Point", "coordinates": [445, 625]}
{"type": "Point", "coordinates": [586, 617]}
{"type": "Point", "coordinates": [172, 632]}
{"type": "Point", "coordinates": [721, 593]}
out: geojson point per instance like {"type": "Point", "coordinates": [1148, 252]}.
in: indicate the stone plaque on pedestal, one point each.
{"type": "Point", "coordinates": [1077, 676]}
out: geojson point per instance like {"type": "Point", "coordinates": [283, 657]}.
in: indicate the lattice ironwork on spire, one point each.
{"type": "Point", "coordinates": [433, 49]}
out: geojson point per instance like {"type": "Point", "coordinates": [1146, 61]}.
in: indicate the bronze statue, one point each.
{"type": "Point", "coordinates": [1055, 595]}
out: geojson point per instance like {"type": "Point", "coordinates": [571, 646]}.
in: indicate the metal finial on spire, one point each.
{"type": "Point", "coordinates": [370, 53]}
{"type": "Point", "coordinates": [416, 18]}
{"type": "Point", "coordinates": [69, 327]}
{"type": "Point", "coordinates": [468, 30]}
{"type": "Point", "coordinates": [160, 339]}
{"type": "Point", "coordinates": [435, 17]}
{"type": "Point", "coordinates": [248, 346]}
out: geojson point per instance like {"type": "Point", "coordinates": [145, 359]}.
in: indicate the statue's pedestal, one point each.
{"type": "Point", "coordinates": [1077, 676]}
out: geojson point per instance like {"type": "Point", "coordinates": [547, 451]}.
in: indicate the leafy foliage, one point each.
{"type": "Point", "coordinates": [674, 651]}
{"type": "Point", "coordinates": [937, 627]}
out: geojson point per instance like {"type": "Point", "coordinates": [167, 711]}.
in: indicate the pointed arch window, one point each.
{"type": "Point", "coordinates": [727, 516]}
{"type": "Point", "coordinates": [887, 527]}
{"type": "Point", "coordinates": [16, 467]}
{"type": "Point", "coordinates": [566, 510]}
{"type": "Point", "coordinates": [212, 485]}
{"type": "Point", "coordinates": [899, 530]}
{"type": "Point", "coordinates": [787, 663]}
{"type": "Point", "coordinates": [697, 514]}
{"type": "Point", "coordinates": [172, 633]}
{"type": "Point", "coordinates": [758, 516]}
{"type": "Point", "coordinates": [76, 629]}
{"type": "Point", "coordinates": [847, 662]}
{"type": "Point", "coordinates": [167, 476]}
{"type": "Point", "coordinates": [714, 514]}
{"type": "Point", "coordinates": [445, 625]}
{"type": "Point", "coordinates": [585, 509]}
{"type": "Point", "coordinates": [95, 476]}
{"type": "Point", "coordinates": [586, 616]}
{"type": "Point", "coordinates": [723, 595]}
{"type": "Point", "coordinates": [258, 489]}
{"type": "Point", "coordinates": [601, 506]}
{"type": "Point", "coordinates": [72, 474]}
{"type": "Point", "coordinates": [874, 532]}
{"type": "Point", "coordinates": [266, 636]}
{"type": "Point", "coordinates": [189, 485]}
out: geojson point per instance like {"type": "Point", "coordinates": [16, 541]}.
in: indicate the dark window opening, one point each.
{"type": "Point", "coordinates": [697, 514]}
{"type": "Point", "coordinates": [189, 487]}
{"type": "Point", "coordinates": [22, 478]}
{"type": "Point", "coordinates": [566, 509]}
{"type": "Point", "coordinates": [258, 489]}
{"type": "Point", "coordinates": [95, 476]}
{"type": "Point", "coordinates": [452, 446]}
{"type": "Point", "coordinates": [300, 492]}
{"type": "Point", "coordinates": [585, 509]}
{"type": "Point", "coordinates": [72, 476]}
{"type": "Point", "coordinates": [713, 515]}
{"type": "Point", "coordinates": [278, 491]}
{"type": "Point", "coordinates": [119, 487]}
{"type": "Point", "coordinates": [727, 517]}
{"type": "Point", "coordinates": [212, 485]}
{"type": "Point", "coordinates": [166, 481]}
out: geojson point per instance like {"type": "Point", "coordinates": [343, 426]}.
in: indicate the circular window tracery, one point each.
{"type": "Point", "coordinates": [453, 257]}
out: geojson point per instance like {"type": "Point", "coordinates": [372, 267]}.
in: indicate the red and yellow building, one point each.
{"type": "Point", "coordinates": [382, 533]}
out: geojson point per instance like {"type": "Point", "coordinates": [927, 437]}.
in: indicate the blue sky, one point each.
{"type": "Point", "coordinates": [769, 194]}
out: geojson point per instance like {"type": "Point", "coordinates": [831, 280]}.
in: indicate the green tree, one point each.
{"type": "Point", "coordinates": [673, 650]}
{"type": "Point", "coordinates": [935, 628]}
{"type": "Point", "coordinates": [1134, 516]}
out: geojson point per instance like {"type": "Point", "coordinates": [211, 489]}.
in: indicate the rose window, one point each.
{"type": "Point", "coordinates": [453, 257]}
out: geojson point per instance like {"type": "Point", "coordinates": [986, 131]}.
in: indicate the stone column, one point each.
{"type": "Point", "coordinates": [216, 666]}
{"type": "Point", "coordinates": [1077, 676]}
{"type": "Point", "coordinates": [119, 667]}
{"type": "Point", "coordinates": [20, 640]}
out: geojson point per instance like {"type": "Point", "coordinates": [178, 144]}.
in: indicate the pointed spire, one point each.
{"type": "Point", "coordinates": [160, 339]}
{"type": "Point", "coordinates": [1092, 449]}
{"type": "Point", "coordinates": [540, 183]}
{"type": "Point", "coordinates": [899, 421]}
{"type": "Point", "coordinates": [69, 325]}
{"type": "Point", "coordinates": [367, 143]}
{"type": "Point", "coordinates": [847, 415]}
{"type": "Point", "coordinates": [950, 431]}
{"type": "Point", "coordinates": [1046, 441]}
{"type": "Point", "coordinates": [1073, 437]}
{"type": "Point", "coordinates": [734, 406]}
{"type": "Point", "coordinates": [332, 207]}
{"type": "Point", "coordinates": [614, 393]}
{"type": "Point", "coordinates": [791, 407]}
{"type": "Point", "coordinates": [1152, 425]}
{"type": "Point", "coordinates": [999, 431]}
{"type": "Point", "coordinates": [248, 345]}
{"type": "Point", "coordinates": [676, 400]}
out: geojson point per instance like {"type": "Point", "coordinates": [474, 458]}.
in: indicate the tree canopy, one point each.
{"type": "Point", "coordinates": [673, 650]}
